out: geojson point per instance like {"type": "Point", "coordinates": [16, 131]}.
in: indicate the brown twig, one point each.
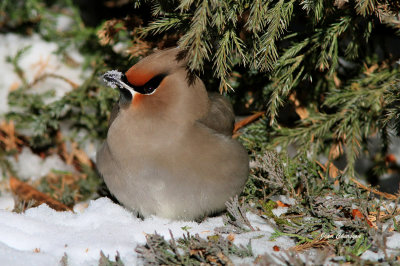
{"type": "Point", "coordinates": [315, 243]}
{"type": "Point", "coordinates": [51, 75]}
{"type": "Point", "coordinates": [28, 193]}
{"type": "Point", "coordinates": [375, 191]}
{"type": "Point", "coordinates": [245, 122]}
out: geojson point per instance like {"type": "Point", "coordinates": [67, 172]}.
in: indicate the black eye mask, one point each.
{"type": "Point", "coordinates": [116, 79]}
{"type": "Point", "coordinates": [148, 88]}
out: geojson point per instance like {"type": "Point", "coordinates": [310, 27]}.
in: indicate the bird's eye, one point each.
{"type": "Point", "coordinates": [150, 86]}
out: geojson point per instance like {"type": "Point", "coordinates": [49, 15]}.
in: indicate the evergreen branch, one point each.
{"type": "Point", "coordinates": [361, 107]}
{"type": "Point", "coordinates": [238, 46]}
{"type": "Point", "coordinates": [278, 19]}
{"type": "Point", "coordinates": [224, 57]}
{"type": "Point", "coordinates": [15, 62]}
{"type": "Point", "coordinates": [164, 24]}
{"type": "Point", "coordinates": [284, 78]}
{"type": "Point", "coordinates": [219, 18]}
{"type": "Point", "coordinates": [283, 81]}
{"type": "Point", "coordinates": [365, 7]}
{"type": "Point", "coordinates": [328, 57]}
{"type": "Point", "coordinates": [258, 12]}
{"type": "Point", "coordinates": [185, 5]}
{"type": "Point", "coordinates": [195, 40]}
{"type": "Point", "coordinates": [314, 7]}
{"type": "Point", "coordinates": [388, 17]}
{"type": "Point", "coordinates": [156, 9]}
{"type": "Point", "coordinates": [223, 61]}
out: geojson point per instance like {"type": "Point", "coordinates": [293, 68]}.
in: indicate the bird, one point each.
{"type": "Point", "coordinates": [169, 150]}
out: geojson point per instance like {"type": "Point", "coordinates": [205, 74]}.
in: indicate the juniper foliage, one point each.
{"type": "Point", "coordinates": [333, 62]}
{"type": "Point", "coordinates": [190, 250]}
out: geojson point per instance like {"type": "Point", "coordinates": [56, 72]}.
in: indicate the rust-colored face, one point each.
{"type": "Point", "coordinates": [148, 87]}
{"type": "Point", "coordinates": [144, 78]}
{"type": "Point", "coordinates": [135, 85]}
{"type": "Point", "coordinates": [139, 77]}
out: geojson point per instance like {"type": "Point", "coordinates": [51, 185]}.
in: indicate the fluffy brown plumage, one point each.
{"type": "Point", "coordinates": [169, 149]}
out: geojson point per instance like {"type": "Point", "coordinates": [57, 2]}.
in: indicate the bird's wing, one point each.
{"type": "Point", "coordinates": [220, 116]}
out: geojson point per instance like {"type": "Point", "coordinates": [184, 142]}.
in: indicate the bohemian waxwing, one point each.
{"type": "Point", "coordinates": [169, 149]}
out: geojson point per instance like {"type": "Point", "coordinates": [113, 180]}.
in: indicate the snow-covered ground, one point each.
{"type": "Point", "coordinates": [41, 236]}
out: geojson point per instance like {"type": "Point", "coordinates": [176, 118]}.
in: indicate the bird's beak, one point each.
{"type": "Point", "coordinates": [116, 79]}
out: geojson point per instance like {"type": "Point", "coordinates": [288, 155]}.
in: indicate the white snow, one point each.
{"type": "Point", "coordinates": [373, 256]}
{"type": "Point", "coordinates": [41, 235]}
{"type": "Point", "coordinates": [279, 211]}
{"type": "Point", "coordinates": [31, 166]}
{"type": "Point", "coordinates": [6, 201]}
{"type": "Point", "coordinates": [393, 247]}
{"type": "Point", "coordinates": [394, 241]}
{"type": "Point", "coordinates": [64, 23]}
{"type": "Point", "coordinates": [38, 59]}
